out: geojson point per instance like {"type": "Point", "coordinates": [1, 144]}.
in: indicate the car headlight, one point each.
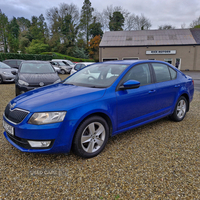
{"type": "Point", "coordinates": [47, 118]}
{"type": "Point", "coordinates": [6, 73]}
{"type": "Point", "coordinates": [58, 81]}
{"type": "Point", "coordinates": [23, 83]}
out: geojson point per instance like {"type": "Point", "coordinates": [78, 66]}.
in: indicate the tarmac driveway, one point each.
{"type": "Point", "coordinates": [196, 77]}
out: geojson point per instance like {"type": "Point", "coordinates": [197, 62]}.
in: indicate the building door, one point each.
{"type": "Point", "coordinates": [169, 60]}
{"type": "Point", "coordinates": [178, 63]}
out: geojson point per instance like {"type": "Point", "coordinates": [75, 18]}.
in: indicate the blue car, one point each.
{"type": "Point", "coordinates": [97, 102]}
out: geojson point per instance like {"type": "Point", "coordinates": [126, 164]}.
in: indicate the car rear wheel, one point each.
{"type": "Point", "coordinates": [91, 137]}
{"type": "Point", "coordinates": [1, 79]}
{"type": "Point", "coordinates": [180, 109]}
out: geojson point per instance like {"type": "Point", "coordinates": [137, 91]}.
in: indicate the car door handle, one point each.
{"type": "Point", "coordinates": [152, 91]}
{"type": "Point", "coordinates": [177, 86]}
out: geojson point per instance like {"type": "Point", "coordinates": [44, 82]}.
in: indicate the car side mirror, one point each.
{"type": "Point", "coordinates": [130, 84]}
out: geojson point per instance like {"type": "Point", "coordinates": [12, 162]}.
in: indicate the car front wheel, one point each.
{"type": "Point", "coordinates": [180, 109]}
{"type": "Point", "coordinates": [1, 79]}
{"type": "Point", "coordinates": [91, 137]}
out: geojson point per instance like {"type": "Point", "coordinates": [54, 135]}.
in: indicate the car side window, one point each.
{"type": "Point", "coordinates": [139, 73]}
{"type": "Point", "coordinates": [162, 72]}
{"type": "Point", "coordinates": [77, 67]}
{"type": "Point", "coordinates": [173, 73]}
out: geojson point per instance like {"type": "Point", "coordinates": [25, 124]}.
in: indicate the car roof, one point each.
{"type": "Point", "coordinates": [13, 60]}
{"type": "Point", "coordinates": [35, 61]}
{"type": "Point", "coordinates": [130, 62]}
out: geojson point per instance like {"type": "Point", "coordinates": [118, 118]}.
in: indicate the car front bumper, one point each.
{"type": "Point", "coordinates": [59, 134]}
{"type": "Point", "coordinates": [8, 78]}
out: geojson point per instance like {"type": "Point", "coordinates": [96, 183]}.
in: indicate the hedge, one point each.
{"type": "Point", "coordinates": [6, 56]}
{"type": "Point", "coordinates": [65, 57]}
{"type": "Point", "coordinates": [42, 56]}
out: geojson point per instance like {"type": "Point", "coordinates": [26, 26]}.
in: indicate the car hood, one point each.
{"type": "Point", "coordinates": [37, 78]}
{"type": "Point", "coordinates": [57, 97]}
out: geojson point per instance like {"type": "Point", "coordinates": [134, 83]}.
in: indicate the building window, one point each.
{"type": "Point", "coordinates": [150, 37]}
{"type": "Point", "coordinates": [109, 59]}
{"type": "Point", "coordinates": [169, 60]}
{"type": "Point", "coordinates": [130, 58]}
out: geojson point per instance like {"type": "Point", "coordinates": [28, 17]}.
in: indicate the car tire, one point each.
{"type": "Point", "coordinates": [62, 71]}
{"type": "Point", "coordinates": [1, 79]}
{"type": "Point", "coordinates": [180, 109]}
{"type": "Point", "coordinates": [91, 137]}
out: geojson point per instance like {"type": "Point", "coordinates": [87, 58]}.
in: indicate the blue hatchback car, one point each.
{"type": "Point", "coordinates": [97, 102]}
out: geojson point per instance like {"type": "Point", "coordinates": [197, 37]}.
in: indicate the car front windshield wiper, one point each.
{"type": "Point", "coordinates": [95, 86]}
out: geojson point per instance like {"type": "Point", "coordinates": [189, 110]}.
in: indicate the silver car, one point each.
{"type": "Point", "coordinates": [64, 69]}
{"type": "Point", "coordinates": [7, 73]}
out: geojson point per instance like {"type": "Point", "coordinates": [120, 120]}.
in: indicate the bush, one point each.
{"type": "Point", "coordinates": [5, 56]}
{"type": "Point", "coordinates": [65, 57]}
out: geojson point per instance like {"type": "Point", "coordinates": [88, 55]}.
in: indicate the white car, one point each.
{"type": "Point", "coordinates": [79, 66]}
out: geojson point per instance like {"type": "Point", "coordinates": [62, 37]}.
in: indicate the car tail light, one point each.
{"type": "Point", "coordinates": [192, 81]}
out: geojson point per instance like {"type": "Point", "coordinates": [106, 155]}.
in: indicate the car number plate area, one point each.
{"type": "Point", "coordinates": [8, 128]}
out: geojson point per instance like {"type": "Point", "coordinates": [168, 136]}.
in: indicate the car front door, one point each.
{"type": "Point", "coordinates": [135, 106]}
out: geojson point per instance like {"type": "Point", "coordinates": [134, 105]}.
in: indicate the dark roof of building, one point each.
{"type": "Point", "coordinates": [151, 37]}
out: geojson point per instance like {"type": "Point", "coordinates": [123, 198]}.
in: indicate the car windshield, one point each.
{"type": "Point", "coordinates": [69, 62]}
{"type": "Point", "coordinates": [4, 66]}
{"type": "Point", "coordinates": [97, 75]}
{"type": "Point", "coordinates": [36, 68]}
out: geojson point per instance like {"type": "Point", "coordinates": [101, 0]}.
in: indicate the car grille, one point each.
{"type": "Point", "coordinates": [16, 115]}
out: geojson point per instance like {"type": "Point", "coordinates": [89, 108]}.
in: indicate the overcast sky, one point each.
{"type": "Point", "coordinates": [160, 12]}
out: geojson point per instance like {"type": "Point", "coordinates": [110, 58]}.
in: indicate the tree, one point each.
{"type": "Point", "coordinates": [195, 23]}
{"type": "Point", "coordinates": [86, 17]}
{"type": "Point", "coordinates": [63, 26]}
{"type": "Point", "coordinates": [108, 12]}
{"type": "Point", "coordinates": [95, 28]}
{"type": "Point", "coordinates": [37, 47]}
{"type": "Point", "coordinates": [24, 36]}
{"type": "Point", "coordinates": [13, 35]}
{"type": "Point", "coordinates": [116, 21]}
{"type": "Point", "coordinates": [3, 30]}
{"type": "Point", "coordinates": [93, 47]}
{"type": "Point", "coordinates": [166, 27]}
{"type": "Point", "coordinates": [79, 53]}
{"type": "Point", "coordinates": [141, 23]}
{"type": "Point", "coordinates": [23, 23]}
{"type": "Point", "coordinates": [38, 28]}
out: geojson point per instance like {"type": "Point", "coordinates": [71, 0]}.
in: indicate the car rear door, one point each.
{"type": "Point", "coordinates": [167, 86]}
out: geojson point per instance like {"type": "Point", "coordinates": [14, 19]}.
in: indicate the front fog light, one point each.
{"type": "Point", "coordinates": [41, 144]}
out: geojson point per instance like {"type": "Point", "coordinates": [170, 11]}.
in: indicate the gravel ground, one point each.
{"type": "Point", "coordinates": [160, 160]}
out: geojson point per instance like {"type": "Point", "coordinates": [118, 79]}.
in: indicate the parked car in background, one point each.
{"type": "Point", "coordinates": [83, 111]}
{"type": "Point", "coordinates": [7, 73]}
{"type": "Point", "coordinates": [14, 63]}
{"type": "Point", "coordinates": [79, 66]}
{"type": "Point", "coordinates": [66, 62]}
{"type": "Point", "coordinates": [57, 69]}
{"type": "Point", "coordinates": [35, 74]}
{"type": "Point", "coordinates": [64, 69]}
